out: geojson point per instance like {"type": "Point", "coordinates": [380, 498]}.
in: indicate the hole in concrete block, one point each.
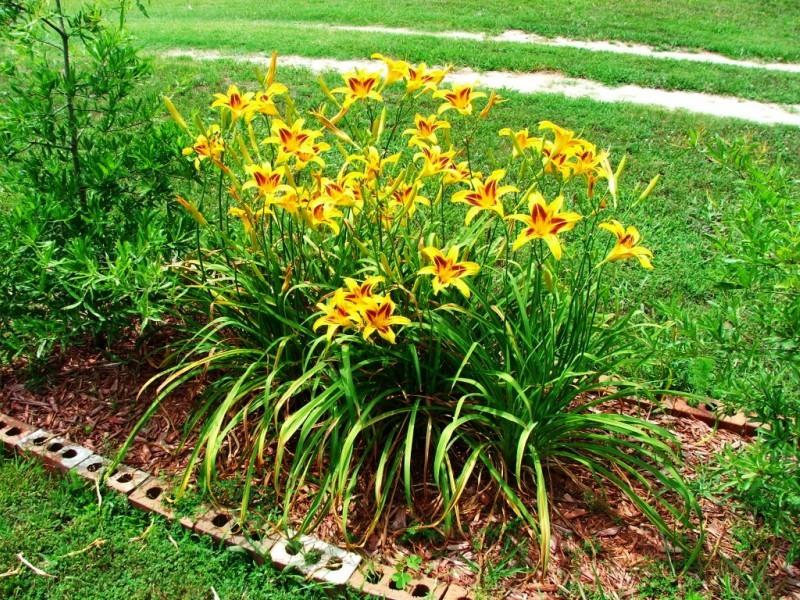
{"type": "Point", "coordinates": [255, 536]}
{"type": "Point", "coordinates": [55, 447]}
{"type": "Point", "coordinates": [220, 519]}
{"type": "Point", "coordinates": [125, 478]}
{"type": "Point", "coordinates": [420, 590]}
{"type": "Point", "coordinates": [40, 440]}
{"type": "Point", "coordinates": [312, 557]}
{"type": "Point", "coordinates": [236, 529]}
{"type": "Point", "coordinates": [293, 547]}
{"type": "Point", "coordinates": [94, 467]}
{"type": "Point", "coordinates": [13, 432]}
{"type": "Point", "coordinates": [334, 563]}
{"type": "Point", "coordinates": [153, 492]}
{"type": "Point", "coordinates": [71, 453]}
{"type": "Point", "coordinates": [372, 576]}
{"type": "Point", "coordinates": [3, 424]}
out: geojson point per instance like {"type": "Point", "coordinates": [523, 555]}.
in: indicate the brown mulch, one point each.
{"type": "Point", "coordinates": [598, 541]}
{"type": "Point", "coordinates": [92, 398]}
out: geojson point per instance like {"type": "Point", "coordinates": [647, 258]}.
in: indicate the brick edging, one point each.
{"type": "Point", "coordinates": [335, 566]}
{"type": "Point", "coordinates": [677, 406]}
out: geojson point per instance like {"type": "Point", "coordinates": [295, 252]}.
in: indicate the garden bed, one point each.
{"type": "Point", "coordinates": [599, 538]}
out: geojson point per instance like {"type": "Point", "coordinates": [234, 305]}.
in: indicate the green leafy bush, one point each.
{"type": "Point", "coordinates": [86, 175]}
{"type": "Point", "coordinates": [366, 311]}
{"type": "Point", "coordinates": [743, 350]}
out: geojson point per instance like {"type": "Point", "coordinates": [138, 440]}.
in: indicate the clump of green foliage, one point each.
{"type": "Point", "coordinates": [743, 351]}
{"type": "Point", "coordinates": [86, 174]}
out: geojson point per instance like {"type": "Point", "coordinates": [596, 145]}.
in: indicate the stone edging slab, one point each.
{"type": "Point", "coordinates": [332, 565]}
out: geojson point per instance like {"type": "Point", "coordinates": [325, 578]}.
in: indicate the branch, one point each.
{"type": "Point", "coordinates": [36, 570]}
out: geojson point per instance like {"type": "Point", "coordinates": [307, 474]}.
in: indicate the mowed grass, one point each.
{"type": "Point", "coordinates": [173, 31]}
{"type": "Point", "coordinates": [54, 522]}
{"type": "Point", "coordinates": [738, 28]}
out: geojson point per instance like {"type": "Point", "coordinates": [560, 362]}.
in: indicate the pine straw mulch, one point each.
{"type": "Point", "coordinates": [599, 540]}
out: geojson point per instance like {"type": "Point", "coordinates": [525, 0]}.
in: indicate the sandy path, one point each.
{"type": "Point", "coordinates": [552, 83]}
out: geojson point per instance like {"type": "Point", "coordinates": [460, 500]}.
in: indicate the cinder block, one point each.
{"type": "Point", "coordinates": [151, 495]}
{"type": "Point", "coordinates": [222, 526]}
{"type": "Point", "coordinates": [258, 543]}
{"type": "Point", "coordinates": [125, 479]}
{"type": "Point", "coordinates": [12, 432]}
{"type": "Point", "coordinates": [456, 592]}
{"type": "Point", "coordinates": [330, 564]}
{"type": "Point", "coordinates": [92, 467]}
{"type": "Point", "coordinates": [379, 583]}
{"type": "Point", "coordinates": [35, 443]}
{"type": "Point", "coordinates": [61, 455]}
{"type": "Point", "coordinates": [219, 524]}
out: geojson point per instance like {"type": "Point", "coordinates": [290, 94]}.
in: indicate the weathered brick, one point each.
{"type": "Point", "coordinates": [92, 467]}
{"type": "Point", "coordinates": [126, 479]}
{"type": "Point", "coordinates": [12, 432]}
{"type": "Point", "coordinates": [456, 592]}
{"type": "Point", "coordinates": [334, 565]}
{"type": "Point", "coordinates": [63, 456]}
{"type": "Point", "coordinates": [378, 582]}
{"type": "Point", "coordinates": [151, 495]}
{"type": "Point", "coordinates": [35, 443]}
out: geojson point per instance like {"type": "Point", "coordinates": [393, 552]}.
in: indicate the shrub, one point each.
{"type": "Point", "coordinates": [386, 324]}
{"type": "Point", "coordinates": [86, 172]}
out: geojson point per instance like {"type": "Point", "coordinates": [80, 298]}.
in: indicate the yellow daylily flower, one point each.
{"type": "Point", "coordinates": [396, 69]}
{"type": "Point", "coordinates": [424, 131]}
{"type": "Point", "coordinates": [361, 295]}
{"type": "Point", "coordinates": [494, 99]}
{"type": "Point", "coordinates": [458, 98]}
{"type": "Point", "coordinates": [381, 318]}
{"type": "Point", "coordinates": [446, 270]}
{"type": "Point", "coordinates": [419, 77]}
{"type": "Point", "coordinates": [265, 179]}
{"type": "Point", "coordinates": [627, 245]}
{"type": "Point", "coordinates": [264, 100]}
{"type": "Point", "coordinates": [564, 141]}
{"type": "Point", "coordinates": [485, 195]}
{"type": "Point", "coordinates": [295, 142]}
{"type": "Point", "coordinates": [404, 199]}
{"type": "Point", "coordinates": [521, 140]}
{"type": "Point", "coordinates": [320, 212]}
{"type": "Point", "coordinates": [246, 217]}
{"type": "Point", "coordinates": [234, 101]}
{"type": "Point", "coordinates": [558, 152]}
{"type": "Point", "coordinates": [461, 173]}
{"type": "Point", "coordinates": [589, 163]}
{"type": "Point", "coordinates": [359, 85]}
{"type": "Point", "coordinates": [434, 160]}
{"type": "Point", "coordinates": [338, 313]}
{"type": "Point", "coordinates": [292, 201]}
{"type": "Point", "coordinates": [374, 163]}
{"type": "Point", "coordinates": [208, 145]}
{"type": "Point", "coordinates": [341, 191]}
{"type": "Point", "coordinates": [545, 222]}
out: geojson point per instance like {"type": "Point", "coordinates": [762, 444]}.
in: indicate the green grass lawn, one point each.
{"type": "Point", "coordinates": [738, 28]}
{"type": "Point", "coordinates": [170, 31]}
{"type": "Point", "coordinates": [52, 521]}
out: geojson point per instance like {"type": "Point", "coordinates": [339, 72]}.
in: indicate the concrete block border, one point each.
{"type": "Point", "coordinates": [312, 557]}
